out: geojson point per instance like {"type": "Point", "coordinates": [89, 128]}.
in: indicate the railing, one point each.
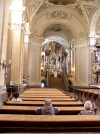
{"type": "Point", "coordinates": [47, 78]}
{"type": "Point", "coordinates": [66, 82]}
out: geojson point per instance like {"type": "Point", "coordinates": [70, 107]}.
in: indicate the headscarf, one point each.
{"type": "Point", "coordinates": [47, 109]}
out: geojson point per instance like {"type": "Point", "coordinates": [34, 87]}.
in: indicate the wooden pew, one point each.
{"type": "Point", "coordinates": [30, 110]}
{"type": "Point", "coordinates": [43, 93]}
{"type": "Point", "coordinates": [43, 96]}
{"type": "Point", "coordinates": [43, 89]}
{"type": "Point", "coordinates": [31, 96]}
{"type": "Point", "coordinates": [96, 91]}
{"type": "Point", "coordinates": [53, 99]}
{"type": "Point", "coordinates": [88, 93]}
{"type": "Point", "coordinates": [50, 123]}
{"type": "Point", "coordinates": [41, 103]}
{"type": "Point", "coordinates": [59, 94]}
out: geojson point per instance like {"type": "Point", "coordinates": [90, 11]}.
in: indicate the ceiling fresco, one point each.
{"type": "Point", "coordinates": [62, 2]}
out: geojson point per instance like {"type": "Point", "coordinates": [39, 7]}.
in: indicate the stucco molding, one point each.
{"type": "Point", "coordinates": [31, 10]}
{"type": "Point", "coordinates": [56, 15]}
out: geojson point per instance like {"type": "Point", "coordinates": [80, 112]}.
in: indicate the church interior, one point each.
{"type": "Point", "coordinates": [49, 49]}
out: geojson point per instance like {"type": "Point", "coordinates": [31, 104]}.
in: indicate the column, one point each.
{"type": "Point", "coordinates": [4, 12]}
{"type": "Point", "coordinates": [16, 40]}
{"type": "Point", "coordinates": [35, 61]}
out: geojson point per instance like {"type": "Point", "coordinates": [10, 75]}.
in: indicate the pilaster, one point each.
{"type": "Point", "coordinates": [4, 12]}
{"type": "Point", "coordinates": [35, 61]}
{"type": "Point", "coordinates": [16, 36]}
{"type": "Point", "coordinates": [82, 67]}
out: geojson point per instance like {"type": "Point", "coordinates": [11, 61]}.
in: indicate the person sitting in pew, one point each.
{"type": "Point", "coordinates": [16, 96]}
{"type": "Point", "coordinates": [88, 107]}
{"type": "Point", "coordinates": [47, 109]}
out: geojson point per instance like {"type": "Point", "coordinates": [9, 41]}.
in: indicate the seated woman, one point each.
{"type": "Point", "coordinates": [47, 109]}
{"type": "Point", "coordinates": [88, 107]}
{"type": "Point", "coordinates": [16, 96]}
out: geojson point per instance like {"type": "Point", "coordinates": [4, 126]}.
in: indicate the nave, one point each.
{"type": "Point", "coordinates": [20, 117]}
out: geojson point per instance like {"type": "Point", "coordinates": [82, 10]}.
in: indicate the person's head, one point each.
{"type": "Point", "coordinates": [47, 109]}
{"type": "Point", "coordinates": [48, 103]}
{"type": "Point", "coordinates": [16, 94]}
{"type": "Point", "coordinates": [88, 105]}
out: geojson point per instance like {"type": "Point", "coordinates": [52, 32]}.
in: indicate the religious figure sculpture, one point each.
{"type": "Point", "coordinates": [95, 70]}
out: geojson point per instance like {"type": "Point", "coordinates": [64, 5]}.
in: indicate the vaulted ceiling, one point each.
{"type": "Point", "coordinates": [61, 20]}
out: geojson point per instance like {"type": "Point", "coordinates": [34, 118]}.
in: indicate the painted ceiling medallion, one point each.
{"type": "Point", "coordinates": [62, 2]}
{"type": "Point", "coordinates": [56, 29]}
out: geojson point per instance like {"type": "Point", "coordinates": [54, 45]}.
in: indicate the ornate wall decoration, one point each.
{"type": "Point", "coordinates": [58, 15]}
{"type": "Point", "coordinates": [89, 10]}
{"type": "Point", "coordinates": [30, 11]}
{"type": "Point", "coordinates": [44, 6]}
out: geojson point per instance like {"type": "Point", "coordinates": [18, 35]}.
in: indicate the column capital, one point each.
{"type": "Point", "coordinates": [36, 39]}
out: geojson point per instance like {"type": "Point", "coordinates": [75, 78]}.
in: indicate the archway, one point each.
{"type": "Point", "coordinates": [52, 22]}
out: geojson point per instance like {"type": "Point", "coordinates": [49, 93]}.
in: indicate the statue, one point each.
{"type": "Point", "coordinates": [94, 71]}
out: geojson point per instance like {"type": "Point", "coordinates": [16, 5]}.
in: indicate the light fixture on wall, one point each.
{"type": "Point", "coordinates": [4, 65]}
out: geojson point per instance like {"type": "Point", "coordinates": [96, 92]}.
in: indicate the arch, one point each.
{"type": "Point", "coordinates": [93, 23]}
{"type": "Point", "coordinates": [41, 22]}
{"type": "Point", "coordinates": [65, 41]}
